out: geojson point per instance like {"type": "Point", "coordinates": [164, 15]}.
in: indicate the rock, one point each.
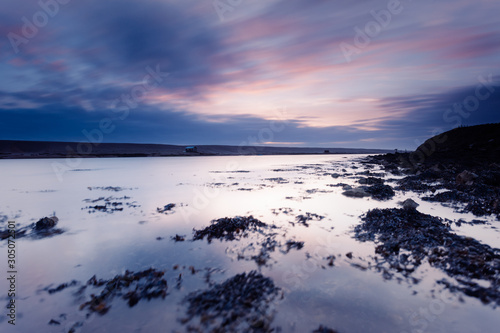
{"type": "Point", "coordinates": [243, 303]}
{"type": "Point", "coordinates": [229, 228]}
{"type": "Point", "coordinates": [371, 181]}
{"type": "Point", "coordinates": [166, 208]}
{"type": "Point", "coordinates": [406, 239]}
{"type": "Point", "coordinates": [409, 204]}
{"type": "Point", "coordinates": [357, 192]}
{"type": "Point", "coordinates": [62, 287]}
{"type": "Point", "coordinates": [130, 286]}
{"type": "Point", "coordinates": [290, 244]}
{"type": "Point", "coordinates": [380, 192]}
{"type": "Point", "coordinates": [303, 219]}
{"type": "Point", "coordinates": [46, 223]}
{"type": "Point", "coordinates": [466, 178]}
{"type": "Point", "coordinates": [178, 238]}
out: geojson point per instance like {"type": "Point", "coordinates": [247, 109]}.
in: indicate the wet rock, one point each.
{"type": "Point", "coordinates": [109, 188]}
{"type": "Point", "coordinates": [278, 180]}
{"type": "Point", "coordinates": [166, 209]}
{"type": "Point", "coordinates": [304, 218]}
{"type": "Point", "coordinates": [290, 244]}
{"type": "Point", "coordinates": [317, 190]}
{"type": "Point", "coordinates": [4, 234]}
{"type": "Point", "coordinates": [479, 199]}
{"type": "Point", "coordinates": [45, 223]}
{"type": "Point", "coordinates": [469, 177]}
{"type": "Point", "coordinates": [62, 286]}
{"type": "Point", "coordinates": [343, 185]}
{"type": "Point", "coordinates": [357, 192]}
{"type": "Point", "coordinates": [406, 238]}
{"type": "Point", "coordinates": [262, 239]}
{"type": "Point", "coordinates": [473, 222]}
{"type": "Point", "coordinates": [45, 227]}
{"type": "Point", "coordinates": [228, 228]}
{"type": "Point", "coordinates": [283, 210]}
{"type": "Point", "coordinates": [267, 246]}
{"type": "Point", "coordinates": [380, 192]}
{"type": "Point", "coordinates": [466, 178]}
{"type": "Point", "coordinates": [371, 181]}
{"type": "Point", "coordinates": [20, 233]}
{"type": "Point", "coordinates": [110, 204]}
{"type": "Point", "coordinates": [179, 238]}
{"type": "Point", "coordinates": [239, 304]}
{"type": "Point", "coordinates": [447, 196]}
{"type": "Point", "coordinates": [130, 286]}
{"type": "Point", "coordinates": [416, 184]}
{"type": "Point", "coordinates": [409, 204]}
{"type": "Point", "coordinates": [331, 260]}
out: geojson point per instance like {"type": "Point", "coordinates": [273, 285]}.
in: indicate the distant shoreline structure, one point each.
{"type": "Point", "coordinates": [17, 149]}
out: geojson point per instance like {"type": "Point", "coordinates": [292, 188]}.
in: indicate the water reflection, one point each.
{"type": "Point", "coordinates": [296, 194]}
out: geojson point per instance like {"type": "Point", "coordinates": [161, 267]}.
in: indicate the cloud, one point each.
{"type": "Point", "coordinates": [226, 77]}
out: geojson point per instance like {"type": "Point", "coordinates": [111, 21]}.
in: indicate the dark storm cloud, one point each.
{"type": "Point", "coordinates": [429, 114]}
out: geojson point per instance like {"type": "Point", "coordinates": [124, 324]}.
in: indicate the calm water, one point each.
{"type": "Point", "coordinates": [343, 297]}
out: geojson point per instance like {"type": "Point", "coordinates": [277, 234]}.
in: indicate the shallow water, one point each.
{"type": "Point", "coordinates": [274, 189]}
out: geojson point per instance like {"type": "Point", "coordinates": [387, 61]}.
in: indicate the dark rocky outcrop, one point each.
{"type": "Point", "coordinates": [406, 238]}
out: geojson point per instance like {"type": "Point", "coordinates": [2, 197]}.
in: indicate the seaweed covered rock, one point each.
{"type": "Point", "coordinates": [228, 228]}
{"type": "Point", "coordinates": [371, 181]}
{"type": "Point", "coordinates": [305, 218]}
{"type": "Point", "coordinates": [262, 238]}
{"type": "Point", "coordinates": [376, 191]}
{"type": "Point", "coordinates": [45, 223]}
{"type": "Point", "coordinates": [130, 286]}
{"type": "Point", "coordinates": [166, 209]}
{"type": "Point", "coordinates": [239, 304]}
{"type": "Point", "coordinates": [380, 192]}
{"type": "Point", "coordinates": [464, 161]}
{"type": "Point", "coordinates": [406, 237]}
{"type": "Point", "coordinates": [45, 227]}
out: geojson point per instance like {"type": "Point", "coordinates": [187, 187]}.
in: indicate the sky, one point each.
{"type": "Point", "coordinates": [311, 73]}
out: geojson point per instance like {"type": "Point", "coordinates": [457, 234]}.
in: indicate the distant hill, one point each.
{"type": "Point", "coordinates": [474, 143]}
{"type": "Point", "coordinates": [49, 149]}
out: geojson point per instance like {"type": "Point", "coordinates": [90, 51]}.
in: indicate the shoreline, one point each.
{"type": "Point", "coordinates": [18, 157]}
{"type": "Point", "coordinates": [10, 149]}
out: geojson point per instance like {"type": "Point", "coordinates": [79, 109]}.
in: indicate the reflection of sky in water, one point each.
{"type": "Point", "coordinates": [206, 188]}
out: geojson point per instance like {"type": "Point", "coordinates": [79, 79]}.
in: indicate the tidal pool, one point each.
{"type": "Point", "coordinates": [305, 264]}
